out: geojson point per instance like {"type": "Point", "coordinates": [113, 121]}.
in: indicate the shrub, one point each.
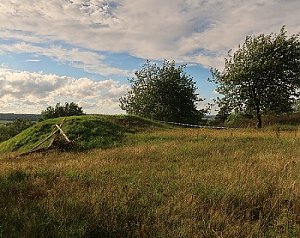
{"type": "Point", "coordinates": [69, 109]}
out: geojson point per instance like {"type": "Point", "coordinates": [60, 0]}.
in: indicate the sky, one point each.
{"type": "Point", "coordinates": [84, 51]}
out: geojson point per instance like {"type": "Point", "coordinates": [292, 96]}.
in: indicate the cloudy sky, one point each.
{"type": "Point", "coordinates": [84, 50]}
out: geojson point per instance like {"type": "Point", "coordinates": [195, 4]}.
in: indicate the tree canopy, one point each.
{"type": "Point", "coordinates": [69, 109]}
{"type": "Point", "coordinates": [262, 76]}
{"type": "Point", "coordinates": [163, 93]}
{"type": "Point", "coordinates": [11, 129]}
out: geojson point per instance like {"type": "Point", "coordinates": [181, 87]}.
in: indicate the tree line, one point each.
{"type": "Point", "coordinates": [262, 77]}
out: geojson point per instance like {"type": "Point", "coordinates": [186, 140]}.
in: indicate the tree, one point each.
{"type": "Point", "coordinates": [222, 114]}
{"type": "Point", "coordinates": [262, 76]}
{"type": "Point", "coordinates": [297, 105]}
{"type": "Point", "coordinates": [163, 93]}
{"type": "Point", "coordinates": [12, 129]}
{"type": "Point", "coordinates": [19, 125]}
{"type": "Point", "coordinates": [69, 109]}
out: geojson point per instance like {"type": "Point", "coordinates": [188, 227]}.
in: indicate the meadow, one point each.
{"type": "Point", "coordinates": [165, 182]}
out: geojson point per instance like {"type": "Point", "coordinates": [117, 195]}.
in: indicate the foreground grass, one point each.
{"type": "Point", "coordinates": [166, 183]}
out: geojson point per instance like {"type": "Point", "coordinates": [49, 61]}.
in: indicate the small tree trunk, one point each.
{"type": "Point", "coordinates": [259, 121]}
{"type": "Point", "coordinates": [258, 117]}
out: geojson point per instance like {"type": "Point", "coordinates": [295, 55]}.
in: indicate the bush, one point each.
{"type": "Point", "coordinates": [239, 119]}
{"type": "Point", "coordinates": [12, 129]}
{"type": "Point", "coordinates": [69, 109]}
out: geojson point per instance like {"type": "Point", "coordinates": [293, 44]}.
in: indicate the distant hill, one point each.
{"type": "Point", "coordinates": [13, 116]}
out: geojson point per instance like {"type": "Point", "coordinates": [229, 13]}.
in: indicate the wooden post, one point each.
{"type": "Point", "coordinates": [62, 132]}
{"type": "Point", "coordinates": [47, 138]}
{"type": "Point", "coordinates": [53, 135]}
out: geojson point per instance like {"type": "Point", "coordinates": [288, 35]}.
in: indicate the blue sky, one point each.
{"type": "Point", "coordinates": [84, 50]}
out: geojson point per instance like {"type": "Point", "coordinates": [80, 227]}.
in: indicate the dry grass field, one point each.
{"type": "Point", "coordinates": [159, 183]}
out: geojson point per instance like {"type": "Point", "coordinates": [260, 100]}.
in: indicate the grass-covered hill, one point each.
{"type": "Point", "coordinates": [87, 132]}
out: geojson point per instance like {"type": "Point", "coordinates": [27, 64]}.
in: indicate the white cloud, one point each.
{"type": "Point", "coordinates": [11, 34]}
{"type": "Point", "coordinates": [33, 92]}
{"type": "Point", "coordinates": [90, 61]}
{"type": "Point", "coordinates": [154, 29]}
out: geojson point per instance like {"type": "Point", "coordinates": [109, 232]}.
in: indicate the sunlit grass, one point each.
{"type": "Point", "coordinates": [163, 183]}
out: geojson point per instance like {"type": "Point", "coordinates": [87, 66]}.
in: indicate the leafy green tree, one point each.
{"type": "Point", "coordinates": [11, 129]}
{"type": "Point", "coordinates": [19, 125]}
{"type": "Point", "coordinates": [163, 93]}
{"type": "Point", "coordinates": [262, 76]}
{"type": "Point", "coordinates": [69, 109]}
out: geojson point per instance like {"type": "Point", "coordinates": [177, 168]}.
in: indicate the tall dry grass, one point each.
{"type": "Point", "coordinates": [167, 183]}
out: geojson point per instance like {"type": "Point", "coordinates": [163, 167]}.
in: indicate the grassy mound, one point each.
{"type": "Point", "coordinates": [99, 131]}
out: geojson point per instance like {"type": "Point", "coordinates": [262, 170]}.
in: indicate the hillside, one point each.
{"type": "Point", "coordinates": [87, 132]}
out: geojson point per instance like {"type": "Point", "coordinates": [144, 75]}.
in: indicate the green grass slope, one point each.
{"type": "Point", "coordinates": [87, 132]}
